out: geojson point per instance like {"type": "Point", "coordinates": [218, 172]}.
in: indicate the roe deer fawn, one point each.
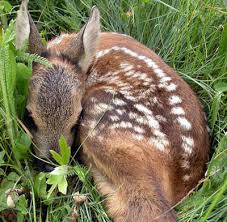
{"type": "Point", "coordinates": [143, 129]}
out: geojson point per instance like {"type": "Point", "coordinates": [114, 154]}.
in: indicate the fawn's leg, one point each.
{"type": "Point", "coordinates": [124, 174]}
{"type": "Point", "coordinates": [128, 203]}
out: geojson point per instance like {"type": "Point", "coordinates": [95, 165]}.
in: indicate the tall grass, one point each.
{"type": "Point", "coordinates": [191, 36]}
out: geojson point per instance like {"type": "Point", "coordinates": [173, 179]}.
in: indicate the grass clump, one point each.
{"type": "Point", "coordinates": [191, 36]}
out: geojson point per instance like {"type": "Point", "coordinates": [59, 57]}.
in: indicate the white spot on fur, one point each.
{"type": "Point", "coordinates": [154, 99]}
{"type": "Point", "coordinates": [158, 133]}
{"type": "Point", "coordinates": [168, 87]}
{"type": "Point", "coordinates": [146, 83]}
{"type": "Point", "coordinates": [123, 84]}
{"type": "Point", "coordinates": [126, 67]}
{"type": "Point", "coordinates": [136, 75]}
{"type": "Point", "coordinates": [160, 73]}
{"type": "Point", "coordinates": [178, 111]}
{"type": "Point", "coordinates": [132, 115]}
{"type": "Point", "coordinates": [116, 48]}
{"type": "Point", "coordinates": [143, 76]}
{"type": "Point", "coordinates": [151, 64]}
{"type": "Point", "coordinates": [186, 177]}
{"type": "Point", "coordinates": [138, 129]}
{"type": "Point", "coordinates": [122, 124]}
{"type": "Point", "coordinates": [159, 143]}
{"type": "Point", "coordinates": [138, 136]}
{"type": "Point", "coordinates": [174, 100]}
{"type": "Point", "coordinates": [148, 119]}
{"type": "Point", "coordinates": [152, 122]}
{"type": "Point", "coordinates": [187, 144]}
{"type": "Point", "coordinates": [125, 124]}
{"type": "Point", "coordinates": [171, 87]}
{"type": "Point", "coordinates": [143, 109]}
{"type": "Point", "coordinates": [102, 53]}
{"type": "Point", "coordinates": [185, 164]}
{"type": "Point", "coordinates": [141, 57]}
{"type": "Point", "coordinates": [92, 125]}
{"type": "Point", "coordinates": [161, 118]}
{"type": "Point", "coordinates": [129, 73]}
{"type": "Point", "coordinates": [101, 107]}
{"type": "Point", "coordinates": [114, 118]}
{"type": "Point", "coordinates": [112, 79]}
{"type": "Point", "coordinates": [99, 54]}
{"type": "Point", "coordinates": [110, 91]}
{"type": "Point", "coordinates": [119, 102]}
{"type": "Point", "coordinates": [184, 123]}
{"type": "Point", "coordinates": [129, 97]}
{"type": "Point", "coordinates": [165, 79]}
{"type": "Point", "coordinates": [120, 111]}
{"type": "Point", "coordinates": [93, 99]}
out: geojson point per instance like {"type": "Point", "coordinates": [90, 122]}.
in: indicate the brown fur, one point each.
{"type": "Point", "coordinates": [140, 182]}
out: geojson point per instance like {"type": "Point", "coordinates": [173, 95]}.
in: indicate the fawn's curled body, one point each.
{"type": "Point", "coordinates": [143, 129]}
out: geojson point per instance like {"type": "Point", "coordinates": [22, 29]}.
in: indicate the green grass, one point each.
{"type": "Point", "coordinates": [191, 36]}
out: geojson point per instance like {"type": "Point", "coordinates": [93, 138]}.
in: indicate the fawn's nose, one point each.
{"type": "Point", "coordinates": [44, 165]}
{"type": "Point", "coordinates": [47, 164]}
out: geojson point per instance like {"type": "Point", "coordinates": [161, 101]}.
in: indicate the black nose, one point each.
{"type": "Point", "coordinates": [43, 165]}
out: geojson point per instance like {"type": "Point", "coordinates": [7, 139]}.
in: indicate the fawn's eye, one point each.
{"type": "Point", "coordinates": [29, 121]}
{"type": "Point", "coordinates": [74, 129]}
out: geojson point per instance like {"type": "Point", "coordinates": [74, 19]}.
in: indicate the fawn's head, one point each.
{"type": "Point", "coordinates": [55, 93]}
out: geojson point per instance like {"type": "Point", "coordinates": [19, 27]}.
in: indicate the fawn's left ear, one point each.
{"type": "Point", "coordinates": [82, 48]}
{"type": "Point", "coordinates": [26, 30]}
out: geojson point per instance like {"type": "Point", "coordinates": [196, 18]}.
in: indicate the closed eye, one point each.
{"type": "Point", "coordinates": [29, 121]}
{"type": "Point", "coordinates": [74, 129]}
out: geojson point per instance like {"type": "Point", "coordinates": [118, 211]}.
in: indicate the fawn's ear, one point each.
{"type": "Point", "coordinates": [26, 30]}
{"type": "Point", "coordinates": [82, 48]}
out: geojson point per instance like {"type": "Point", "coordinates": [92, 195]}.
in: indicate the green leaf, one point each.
{"type": "Point", "coordinates": [2, 172]}
{"type": "Point", "coordinates": [40, 186]}
{"type": "Point", "coordinates": [29, 58]}
{"type": "Point", "coordinates": [57, 157]}
{"type": "Point", "coordinates": [62, 186]}
{"type": "Point", "coordinates": [22, 147]}
{"type": "Point", "coordinates": [23, 74]}
{"type": "Point", "coordinates": [61, 170]}
{"type": "Point", "coordinates": [5, 6]}
{"type": "Point", "coordinates": [8, 182]}
{"type": "Point", "coordinates": [9, 34]}
{"type": "Point", "coordinates": [218, 162]}
{"type": "Point", "coordinates": [221, 87]}
{"type": "Point", "coordinates": [215, 108]}
{"type": "Point", "coordinates": [13, 177]}
{"type": "Point", "coordinates": [22, 205]}
{"type": "Point", "coordinates": [223, 42]}
{"type": "Point", "coordinates": [52, 188]}
{"type": "Point", "coordinates": [64, 150]}
{"type": "Point", "coordinates": [2, 154]}
{"type": "Point", "coordinates": [57, 178]}
{"type": "Point", "coordinates": [82, 173]}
